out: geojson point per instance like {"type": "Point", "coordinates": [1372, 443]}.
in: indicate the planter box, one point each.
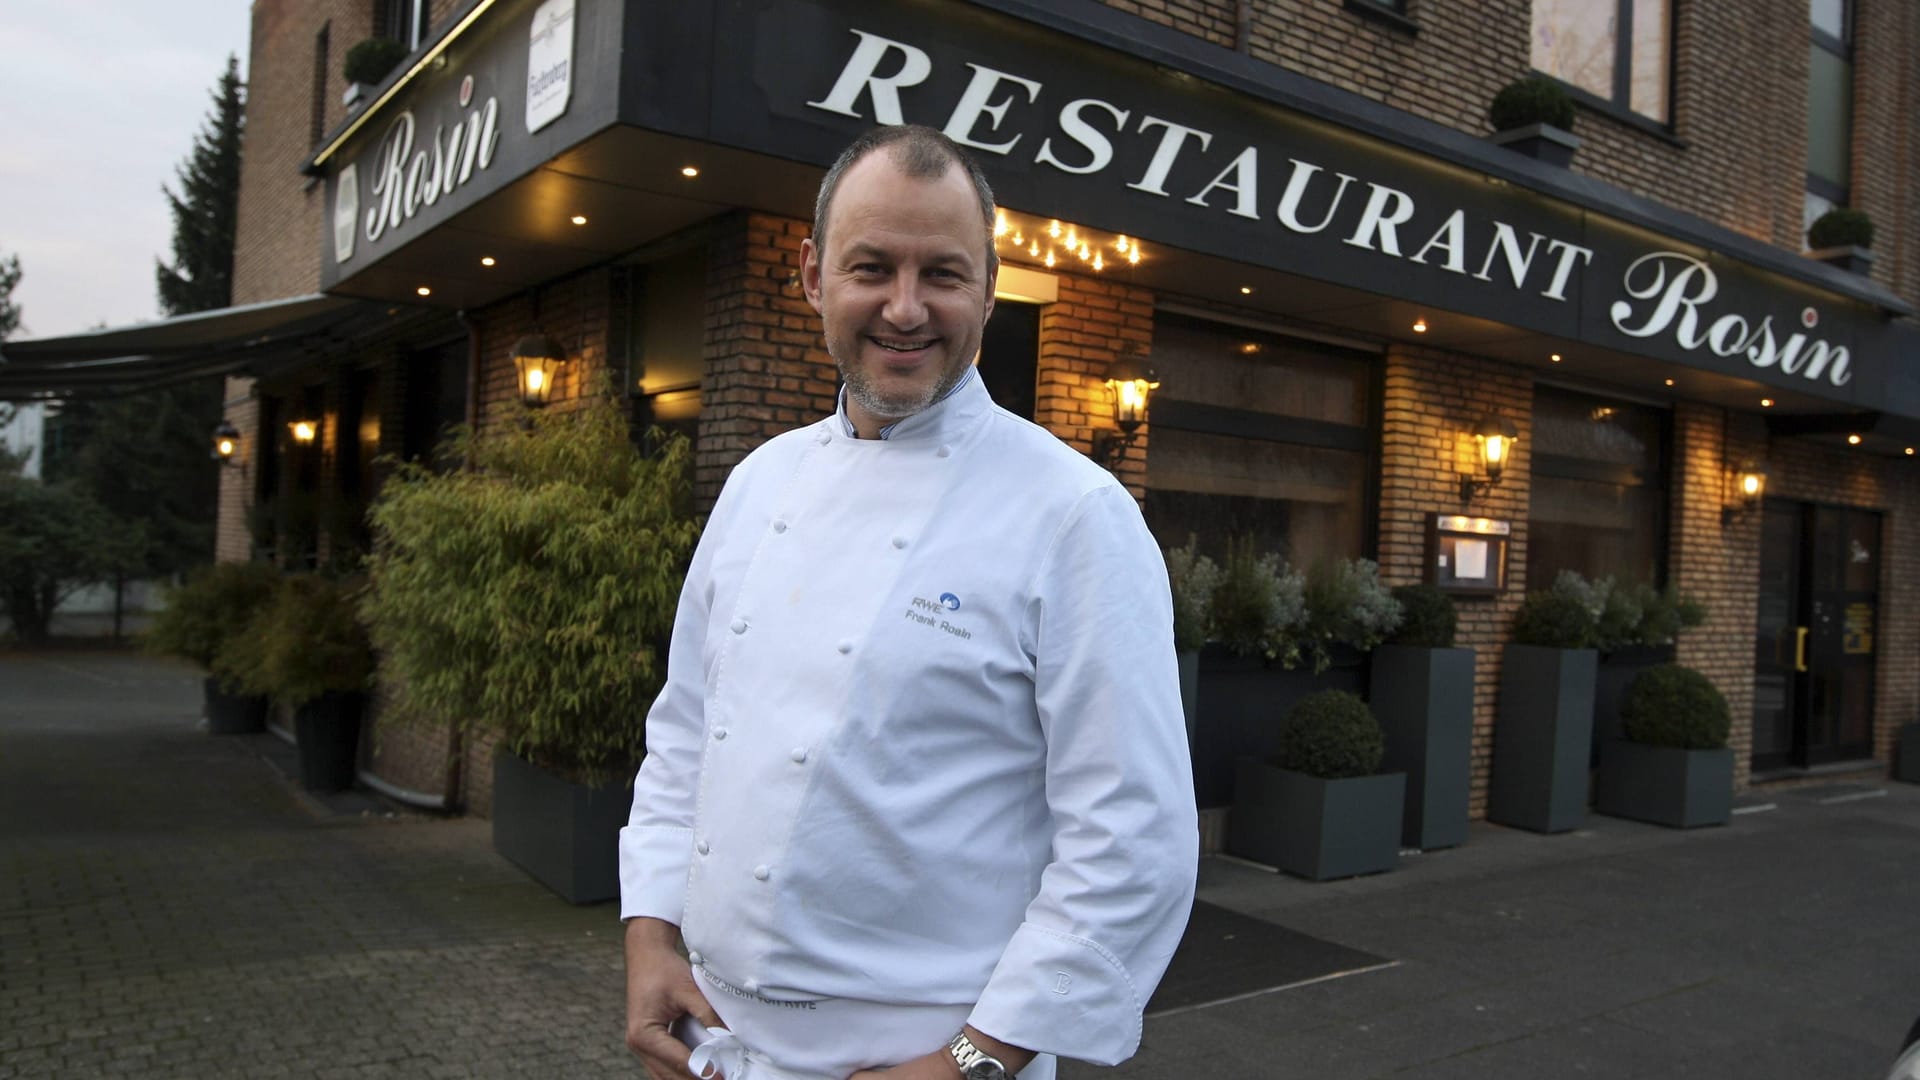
{"type": "Point", "coordinates": [1906, 754]}
{"type": "Point", "coordinates": [564, 835]}
{"type": "Point", "coordinates": [1543, 738]}
{"type": "Point", "coordinates": [233, 714]}
{"type": "Point", "coordinates": [327, 735]}
{"type": "Point", "coordinates": [1851, 258]}
{"type": "Point", "coordinates": [1542, 142]}
{"type": "Point", "coordinates": [1424, 701]}
{"type": "Point", "coordinates": [1318, 829]}
{"type": "Point", "coordinates": [1242, 702]}
{"type": "Point", "coordinates": [1682, 789]}
{"type": "Point", "coordinates": [1616, 673]}
{"type": "Point", "coordinates": [1189, 691]}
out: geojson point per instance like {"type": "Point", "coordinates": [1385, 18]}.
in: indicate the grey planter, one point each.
{"type": "Point", "coordinates": [1612, 679]}
{"type": "Point", "coordinates": [1542, 738]}
{"type": "Point", "coordinates": [1852, 258]}
{"type": "Point", "coordinates": [1906, 760]}
{"type": "Point", "coordinates": [1242, 702]}
{"type": "Point", "coordinates": [327, 738]}
{"type": "Point", "coordinates": [1189, 690]}
{"type": "Point", "coordinates": [1682, 789]}
{"type": "Point", "coordinates": [1317, 829]}
{"type": "Point", "coordinates": [1542, 142]}
{"type": "Point", "coordinates": [1424, 700]}
{"type": "Point", "coordinates": [564, 835]}
{"type": "Point", "coordinates": [233, 714]}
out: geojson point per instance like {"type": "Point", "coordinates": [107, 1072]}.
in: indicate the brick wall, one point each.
{"type": "Point", "coordinates": [1430, 400]}
{"type": "Point", "coordinates": [1080, 335]}
{"type": "Point", "coordinates": [1886, 100]}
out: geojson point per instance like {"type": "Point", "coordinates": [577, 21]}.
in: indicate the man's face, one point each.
{"type": "Point", "coordinates": [902, 286]}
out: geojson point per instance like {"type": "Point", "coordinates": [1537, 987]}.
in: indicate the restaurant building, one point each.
{"type": "Point", "coordinates": [1291, 209]}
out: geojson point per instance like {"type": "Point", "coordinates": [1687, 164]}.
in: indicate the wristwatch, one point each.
{"type": "Point", "coordinates": [974, 1062]}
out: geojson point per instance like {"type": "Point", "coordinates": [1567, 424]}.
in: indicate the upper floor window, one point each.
{"type": "Point", "coordinates": [1829, 107]}
{"type": "Point", "coordinates": [1619, 51]}
{"type": "Point", "coordinates": [405, 21]}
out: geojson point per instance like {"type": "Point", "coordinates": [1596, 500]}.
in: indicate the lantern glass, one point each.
{"type": "Point", "coordinates": [304, 431]}
{"type": "Point", "coordinates": [537, 359]}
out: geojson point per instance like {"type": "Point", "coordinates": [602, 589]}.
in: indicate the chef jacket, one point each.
{"type": "Point", "coordinates": [921, 738]}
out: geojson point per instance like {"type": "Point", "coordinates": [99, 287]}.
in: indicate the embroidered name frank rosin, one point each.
{"type": "Point", "coordinates": [926, 612]}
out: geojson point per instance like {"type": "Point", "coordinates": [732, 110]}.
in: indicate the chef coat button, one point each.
{"type": "Point", "coordinates": [701, 847]}
{"type": "Point", "coordinates": [825, 437]}
{"type": "Point", "coordinates": [720, 733]}
{"type": "Point", "coordinates": [762, 872]}
{"type": "Point", "coordinates": [945, 451]}
{"type": "Point", "coordinates": [799, 755]}
{"type": "Point", "coordinates": [738, 626]}
{"type": "Point", "coordinates": [845, 646]}
{"type": "Point", "coordinates": [694, 957]}
{"type": "Point", "coordinates": [779, 526]}
{"type": "Point", "coordinates": [899, 541]}
{"type": "Point", "coordinates": [751, 986]}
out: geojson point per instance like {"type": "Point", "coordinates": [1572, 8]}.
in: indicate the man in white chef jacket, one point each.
{"type": "Point", "coordinates": [917, 797]}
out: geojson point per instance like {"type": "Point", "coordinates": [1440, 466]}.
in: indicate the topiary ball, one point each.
{"type": "Point", "coordinates": [1676, 706]}
{"type": "Point", "coordinates": [371, 60]}
{"type": "Point", "coordinates": [1535, 99]}
{"type": "Point", "coordinates": [1555, 620]}
{"type": "Point", "coordinates": [1841, 228]}
{"type": "Point", "coordinates": [1427, 617]}
{"type": "Point", "coordinates": [1331, 735]}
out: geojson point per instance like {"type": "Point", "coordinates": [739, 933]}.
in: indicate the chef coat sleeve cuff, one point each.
{"type": "Point", "coordinates": [1057, 993]}
{"type": "Point", "coordinates": [654, 860]}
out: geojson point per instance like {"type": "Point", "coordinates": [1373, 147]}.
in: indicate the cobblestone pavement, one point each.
{"type": "Point", "coordinates": [170, 906]}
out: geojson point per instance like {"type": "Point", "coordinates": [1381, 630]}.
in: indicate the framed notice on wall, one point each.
{"type": "Point", "coordinates": [1467, 555]}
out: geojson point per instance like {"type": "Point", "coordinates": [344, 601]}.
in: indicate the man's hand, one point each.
{"type": "Point", "coordinates": [940, 1065]}
{"type": "Point", "coordinates": [660, 990]}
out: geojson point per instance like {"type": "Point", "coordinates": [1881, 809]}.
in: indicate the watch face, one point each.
{"type": "Point", "coordinates": [986, 1069]}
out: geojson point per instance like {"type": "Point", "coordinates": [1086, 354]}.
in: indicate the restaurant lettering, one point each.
{"type": "Point", "coordinates": [1310, 201]}
{"type": "Point", "coordinates": [406, 179]}
{"type": "Point", "coordinates": [1679, 286]}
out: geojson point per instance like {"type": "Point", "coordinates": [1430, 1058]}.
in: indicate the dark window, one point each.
{"type": "Point", "coordinates": [1009, 356]}
{"type": "Point", "coordinates": [662, 340]}
{"type": "Point", "coordinates": [1618, 51]}
{"type": "Point", "coordinates": [404, 21]}
{"type": "Point", "coordinates": [1261, 435]}
{"type": "Point", "coordinates": [1599, 499]}
{"type": "Point", "coordinates": [435, 399]}
{"type": "Point", "coordinates": [1829, 107]}
{"type": "Point", "coordinates": [317, 119]}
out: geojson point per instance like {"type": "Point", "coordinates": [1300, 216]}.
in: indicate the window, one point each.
{"type": "Point", "coordinates": [317, 104]}
{"type": "Point", "coordinates": [1829, 107]}
{"type": "Point", "coordinates": [1599, 500]}
{"type": "Point", "coordinates": [1618, 51]}
{"type": "Point", "coordinates": [1010, 356]}
{"type": "Point", "coordinates": [405, 21]}
{"type": "Point", "coordinates": [1261, 435]}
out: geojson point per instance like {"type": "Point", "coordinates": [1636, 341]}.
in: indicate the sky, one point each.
{"type": "Point", "coordinates": [102, 102]}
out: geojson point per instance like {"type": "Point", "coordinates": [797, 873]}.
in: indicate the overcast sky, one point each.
{"type": "Point", "coordinates": [102, 102]}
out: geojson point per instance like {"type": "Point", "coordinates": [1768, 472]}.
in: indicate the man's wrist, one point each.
{"type": "Point", "coordinates": [1012, 1058]}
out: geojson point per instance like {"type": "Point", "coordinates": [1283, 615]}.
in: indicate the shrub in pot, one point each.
{"type": "Point", "coordinates": [1345, 605]}
{"type": "Point", "coordinates": [1254, 614]}
{"type": "Point", "coordinates": [1534, 116]}
{"type": "Point", "coordinates": [308, 651]}
{"type": "Point", "coordinates": [1543, 736]}
{"type": "Point", "coordinates": [1258, 605]}
{"type": "Point", "coordinates": [1674, 767]}
{"type": "Point", "coordinates": [529, 599]}
{"type": "Point", "coordinates": [370, 61]}
{"type": "Point", "coordinates": [1421, 689]}
{"type": "Point", "coordinates": [1842, 238]}
{"type": "Point", "coordinates": [202, 614]}
{"type": "Point", "coordinates": [1318, 809]}
{"type": "Point", "coordinates": [1192, 578]}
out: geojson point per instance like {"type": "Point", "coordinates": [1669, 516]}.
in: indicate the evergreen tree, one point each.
{"type": "Point", "coordinates": [201, 277]}
{"type": "Point", "coordinates": [9, 311]}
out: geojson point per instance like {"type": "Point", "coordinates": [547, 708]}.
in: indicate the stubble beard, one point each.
{"type": "Point", "coordinates": [892, 407]}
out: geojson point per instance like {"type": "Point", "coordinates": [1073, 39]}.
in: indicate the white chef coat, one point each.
{"type": "Point", "coordinates": [921, 739]}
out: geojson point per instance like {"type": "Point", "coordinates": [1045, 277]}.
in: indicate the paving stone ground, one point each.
{"type": "Point", "coordinates": [171, 906]}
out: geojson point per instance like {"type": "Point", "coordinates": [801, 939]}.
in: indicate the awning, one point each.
{"type": "Point", "coordinates": [253, 339]}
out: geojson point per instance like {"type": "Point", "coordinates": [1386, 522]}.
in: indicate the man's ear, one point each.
{"type": "Point", "coordinates": [810, 272]}
{"type": "Point", "coordinates": [993, 286]}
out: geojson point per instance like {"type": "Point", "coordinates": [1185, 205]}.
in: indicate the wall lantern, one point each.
{"type": "Point", "coordinates": [304, 432]}
{"type": "Point", "coordinates": [1749, 487]}
{"type": "Point", "coordinates": [1494, 435]}
{"type": "Point", "coordinates": [226, 443]}
{"type": "Point", "coordinates": [537, 359]}
{"type": "Point", "coordinates": [1132, 383]}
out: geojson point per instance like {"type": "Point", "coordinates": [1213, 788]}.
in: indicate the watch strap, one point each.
{"type": "Point", "coordinates": [970, 1058]}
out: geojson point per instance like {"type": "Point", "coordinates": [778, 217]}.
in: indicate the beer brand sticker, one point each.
{"type": "Point", "coordinates": [346, 210]}
{"type": "Point", "coordinates": [549, 63]}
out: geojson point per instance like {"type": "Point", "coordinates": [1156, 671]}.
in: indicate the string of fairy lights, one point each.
{"type": "Point", "coordinates": [1057, 242]}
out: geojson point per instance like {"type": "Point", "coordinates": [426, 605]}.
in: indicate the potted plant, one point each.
{"type": "Point", "coordinates": [1674, 767]}
{"type": "Point", "coordinates": [1421, 689]}
{"type": "Point", "coordinates": [1636, 627]}
{"type": "Point", "coordinates": [1841, 237]}
{"type": "Point", "coordinates": [308, 651]}
{"type": "Point", "coordinates": [367, 65]}
{"type": "Point", "coordinates": [1534, 116]}
{"type": "Point", "coordinates": [1192, 578]}
{"type": "Point", "coordinates": [1347, 609]}
{"type": "Point", "coordinates": [528, 599]}
{"type": "Point", "coordinates": [1318, 809]}
{"type": "Point", "coordinates": [1544, 730]}
{"type": "Point", "coordinates": [1255, 612]}
{"type": "Point", "coordinates": [201, 616]}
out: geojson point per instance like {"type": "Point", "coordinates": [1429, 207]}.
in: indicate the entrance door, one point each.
{"type": "Point", "coordinates": [1814, 641]}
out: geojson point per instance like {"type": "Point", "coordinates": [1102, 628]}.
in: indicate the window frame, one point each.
{"type": "Point", "coordinates": [1842, 47]}
{"type": "Point", "coordinates": [1618, 105]}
